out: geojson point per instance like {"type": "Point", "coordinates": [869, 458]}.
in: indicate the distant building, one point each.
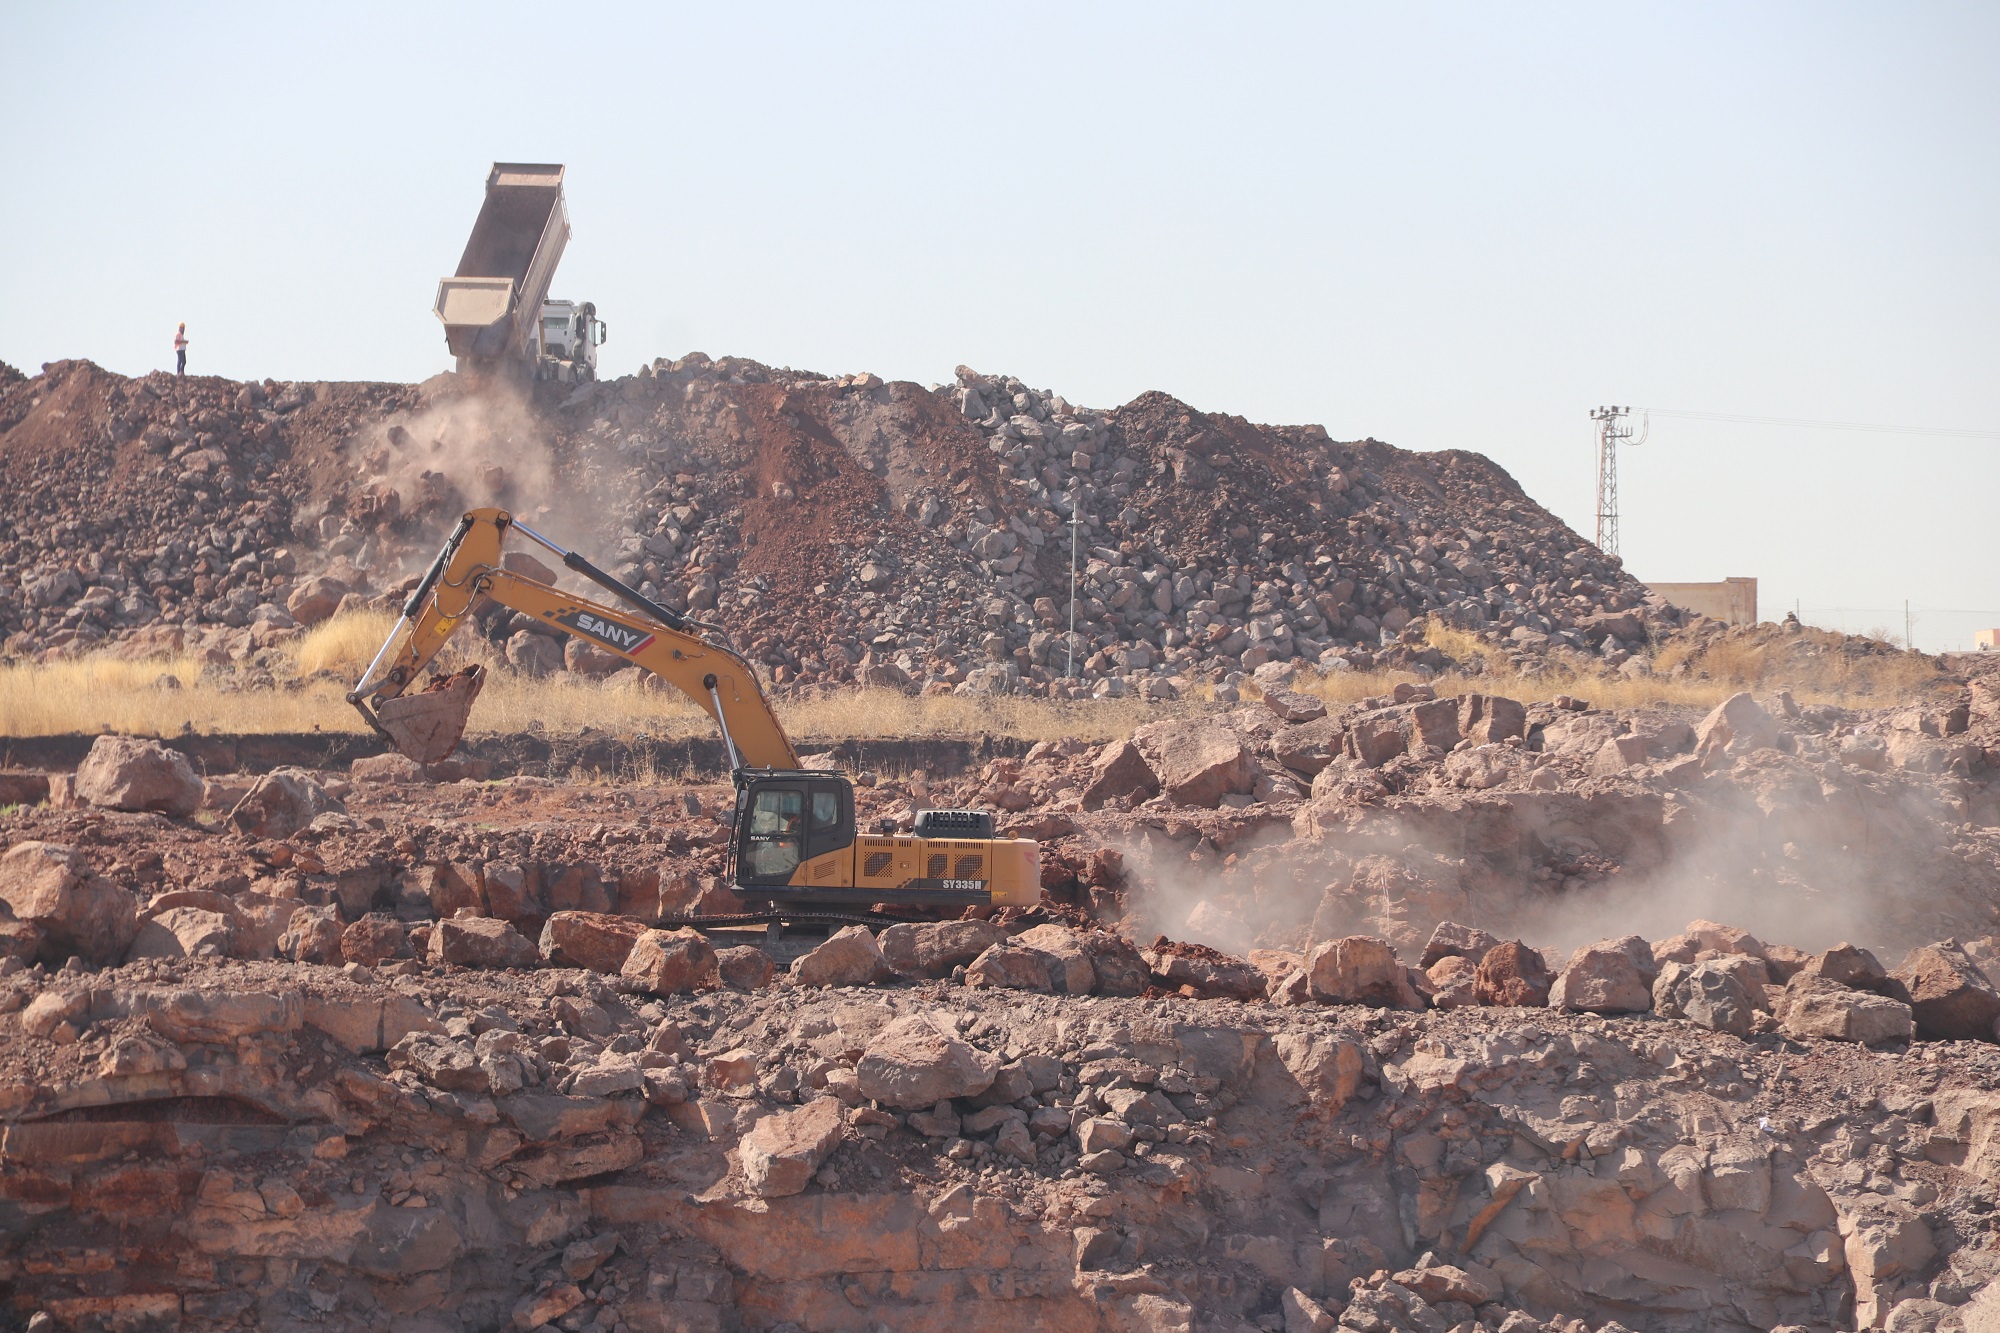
{"type": "Point", "coordinates": [1732, 601]}
{"type": "Point", "coordinates": [1986, 640]}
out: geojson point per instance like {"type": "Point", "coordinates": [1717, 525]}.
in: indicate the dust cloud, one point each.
{"type": "Point", "coordinates": [484, 446]}
{"type": "Point", "coordinates": [1807, 868]}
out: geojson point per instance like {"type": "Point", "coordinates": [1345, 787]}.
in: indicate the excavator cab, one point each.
{"type": "Point", "coordinates": [788, 819]}
{"type": "Point", "coordinates": [796, 844]}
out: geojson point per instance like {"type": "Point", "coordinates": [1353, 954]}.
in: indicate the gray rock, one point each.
{"type": "Point", "coordinates": [782, 1151]}
{"type": "Point", "coordinates": [912, 1063]}
{"type": "Point", "coordinates": [1815, 1007]}
{"type": "Point", "coordinates": [850, 957]}
{"type": "Point", "coordinates": [481, 942]}
{"type": "Point", "coordinates": [1608, 977]}
{"type": "Point", "coordinates": [132, 773]}
{"type": "Point", "coordinates": [280, 803]}
{"type": "Point", "coordinates": [671, 962]}
{"type": "Point", "coordinates": [51, 888]}
{"type": "Point", "coordinates": [934, 948]}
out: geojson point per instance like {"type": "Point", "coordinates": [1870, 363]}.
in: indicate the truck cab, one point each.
{"type": "Point", "coordinates": [568, 335]}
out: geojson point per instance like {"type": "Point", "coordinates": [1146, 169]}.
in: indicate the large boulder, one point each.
{"type": "Point", "coordinates": [316, 598]}
{"type": "Point", "coordinates": [1512, 974]}
{"type": "Point", "coordinates": [184, 932]}
{"type": "Point", "coordinates": [1707, 994]}
{"type": "Point", "coordinates": [1854, 967]}
{"type": "Point", "coordinates": [1198, 761]}
{"type": "Point", "coordinates": [1454, 982]}
{"type": "Point", "coordinates": [375, 939]}
{"type": "Point", "coordinates": [781, 1152]}
{"type": "Point", "coordinates": [481, 941]}
{"type": "Point", "coordinates": [313, 935]}
{"type": "Point", "coordinates": [449, 888]}
{"type": "Point", "coordinates": [598, 941]}
{"type": "Point", "coordinates": [1205, 973]}
{"type": "Point", "coordinates": [1374, 738]}
{"type": "Point", "coordinates": [1608, 977]}
{"type": "Point", "coordinates": [534, 654]}
{"type": "Point", "coordinates": [745, 967]}
{"type": "Point", "coordinates": [934, 948]}
{"type": "Point", "coordinates": [1308, 748]}
{"type": "Point", "coordinates": [131, 773]}
{"type": "Point", "coordinates": [1293, 707]}
{"type": "Point", "coordinates": [850, 957]}
{"type": "Point", "coordinates": [1737, 725]}
{"type": "Point", "coordinates": [1813, 1006]}
{"type": "Point", "coordinates": [1451, 940]}
{"type": "Point", "coordinates": [76, 912]}
{"type": "Point", "coordinates": [1949, 996]}
{"type": "Point", "coordinates": [1717, 937]}
{"type": "Point", "coordinates": [280, 803]}
{"type": "Point", "coordinates": [513, 892]}
{"type": "Point", "coordinates": [1119, 770]}
{"type": "Point", "coordinates": [1360, 969]}
{"type": "Point", "coordinates": [1070, 969]}
{"type": "Point", "coordinates": [1488, 719]}
{"type": "Point", "coordinates": [671, 962]}
{"type": "Point", "coordinates": [1005, 967]}
{"type": "Point", "coordinates": [1117, 963]}
{"type": "Point", "coordinates": [911, 1064]}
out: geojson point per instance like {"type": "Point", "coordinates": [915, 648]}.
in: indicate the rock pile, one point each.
{"type": "Point", "coordinates": [843, 530]}
{"type": "Point", "coordinates": [160, 513]}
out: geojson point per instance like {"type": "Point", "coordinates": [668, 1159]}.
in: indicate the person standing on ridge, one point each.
{"type": "Point", "coordinates": [181, 350]}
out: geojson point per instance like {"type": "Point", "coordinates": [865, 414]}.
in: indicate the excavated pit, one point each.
{"type": "Point", "coordinates": [386, 1056]}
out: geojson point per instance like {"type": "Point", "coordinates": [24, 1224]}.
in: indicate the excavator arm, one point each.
{"type": "Point", "coordinates": [469, 570]}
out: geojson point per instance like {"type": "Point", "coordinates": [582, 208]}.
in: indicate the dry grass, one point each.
{"type": "Point", "coordinates": [102, 693]}
{"type": "Point", "coordinates": [1817, 667]}
{"type": "Point", "coordinates": [343, 645]}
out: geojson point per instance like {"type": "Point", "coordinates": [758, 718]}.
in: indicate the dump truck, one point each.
{"type": "Point", "coordinates": [497, 315]}
{"type": "Point", "coordinates": [795, 851]}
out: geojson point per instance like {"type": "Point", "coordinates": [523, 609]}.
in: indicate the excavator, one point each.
{"type": "Point", "coordinates": [794, 850]}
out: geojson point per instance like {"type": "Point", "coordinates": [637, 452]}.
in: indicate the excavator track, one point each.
{"type": "Point", "coordinates": [725, 921]}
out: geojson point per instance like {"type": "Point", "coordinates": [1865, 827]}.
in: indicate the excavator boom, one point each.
{"type": "Point", "coordinates": [795, 841]}
{"type": "Point", "coordinates": [469, 570]}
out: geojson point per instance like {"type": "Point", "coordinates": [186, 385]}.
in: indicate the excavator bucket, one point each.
{"type": "Point", "coordinates": [426, 726]}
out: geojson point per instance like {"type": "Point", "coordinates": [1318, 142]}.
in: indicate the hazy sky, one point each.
{"type": "Point", "coordinates": [1446, 226]}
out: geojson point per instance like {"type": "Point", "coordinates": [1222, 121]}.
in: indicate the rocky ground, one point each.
{"type": "Point", "coordinates": [1426, 1014]}
{"type": "Point", "coordinates": [842, 529]}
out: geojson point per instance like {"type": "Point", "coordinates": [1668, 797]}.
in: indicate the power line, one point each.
{"type": "Point", "coordinates": [1943, 432]}
{"type": "Point", "coordinates": [1609, 433]}
{"type": "Point", "coordinates": [1883, 611]}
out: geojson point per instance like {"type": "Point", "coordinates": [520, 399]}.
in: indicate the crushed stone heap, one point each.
{"type": "Point", "coordinates": [841, 529]}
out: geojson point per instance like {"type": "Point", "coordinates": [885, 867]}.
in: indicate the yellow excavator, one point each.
{"type": "Point", "coordinates": [794, 847]}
